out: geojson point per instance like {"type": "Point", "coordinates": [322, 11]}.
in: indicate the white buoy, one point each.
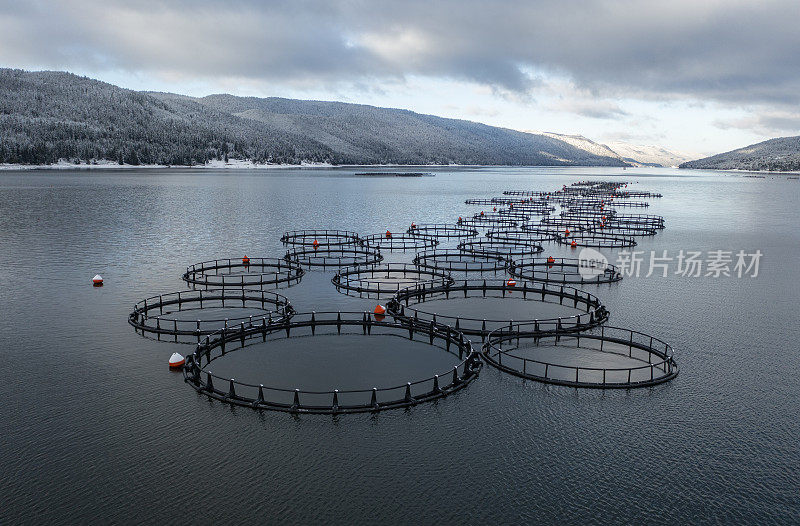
{"type": "Point", "coordinates": [97, 280]}
{"type": "Point", "coordinates": [176, 360]}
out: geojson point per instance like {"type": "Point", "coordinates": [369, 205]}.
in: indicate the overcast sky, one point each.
{"type": "Point", "coordinates": [694, 76]}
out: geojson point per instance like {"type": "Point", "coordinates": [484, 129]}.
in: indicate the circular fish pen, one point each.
{"type": "Point", "coordinates": [483, 202]}
{"type": "Point", "coordinates": [587, 215]}
{"type": "Point", "coordinates": [607, 358]}
{"type": "Point", "coordinates": [333, 256]}
{"type": "Point", "coordinates": [593, 240]}
{"type": "Point", "coordinates": [564, 270]}
{"type": "Point", "coordinates": [382, 280]}
{"type": "Point", "coordinates": [321, 238]}
{"type": "Point", "coordinates": [561, 224]}
{"type": "Point", "coordinates": [518, 217]}
{"type": "Point", "coordinates": [529, 209]}
{"type": "Point", "coordinates": [504, 249]}
{"type": "Point", "coordinates": [624, 230]}
{"type": "Point", "coordinates": [253, 273]}
{"type": "Point", "coordinates": [442, 230]}
{"type": "Point", "coordinates": [630, 204]}
{"type": "Point", "coordinates": [458, 261]}
{"type": "Point", "coordinates": [398, 242]}
{"type": "Point", "coordinates": [524, 234]}
{"type": "Point", "coordinates": [493, 219]}
{"type": "Point", "coordinates": [165, 314]}
{"type": "Point", "coordinates": [562, 308]}
{"type": "Point", "coordinates": [317, 327]}
{"type": "Point", "coordinates": [644, 220]}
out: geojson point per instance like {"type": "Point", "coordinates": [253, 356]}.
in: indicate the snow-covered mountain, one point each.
{"type": "Point", "coordinates": [781, 155]}
{"type": "Point", "coordinates": [635, 155]}
{"type": "Point", "coordinates": [46, 116]}
{"type": "Point", "coordinates": [581, 142]}
{"type": "Point", "coordinates": [648, 155]}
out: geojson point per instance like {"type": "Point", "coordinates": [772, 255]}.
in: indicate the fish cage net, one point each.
{"type": "Point", "coordinates": [605, 357]}
{"type": "Point", "coordinates": [188, 315]}
{"type": "Point", "coordinates": [587, 214]}
{"type": "Point", "coordinates": [317, 327]}
{"type": "Point", "coordinates": [321, 238]}
{"type": "Point", "coordinates": [562, 308]}
{"type": "Point", "coordinates": [446, 231]}
{"type": "Point", "coordinates": [593, 240]}
{"type": "Point", "coordinates": [458, 261]}
{"type": "Point", "coordinates": [622, 203]}
{"type": "Point", "coordinates": [564, 270]}
{"type": "Point", "coordinates": [333, 256]}
{"type": "Point", "coordinates": [258, 273]}
{"type": "Point", "coordinates": [515, 215]}
{"type": "Point", "coordinates": [494, 201]}
{"type": "Point", "coordinates": [527, 210]}
{"type": "Point", "coordinates": [531, 235]}
{"type": "Point", "coordinates": [398, 242]}
{"type": "Point", "coordinates": [645, 220]}
{"type": "Point", "coordinates": [492, 218]}
{"type": "Point", "coordinates": [385, 280]}
{"type": "Point", "coordinates": [504, 249]}
{"type": "Point", "coordinates": [563, 224]}
{"type": "Point", "coordinates": [624, 230]}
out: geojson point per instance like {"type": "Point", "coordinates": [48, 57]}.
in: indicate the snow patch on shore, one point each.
{"type": "Point", "coordinates": [232, 164]}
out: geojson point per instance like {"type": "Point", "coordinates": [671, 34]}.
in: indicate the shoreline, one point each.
{"type": "Point", "coordinates": [739, 170]}
{"type": "Point", "coordinates": [249, 165]}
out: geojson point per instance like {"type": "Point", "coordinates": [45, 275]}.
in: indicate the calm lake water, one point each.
{"type": "Point", "coordinates": [94, 428]}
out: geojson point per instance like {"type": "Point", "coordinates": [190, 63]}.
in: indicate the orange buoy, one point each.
{"type": "Point", "coordinates": [413, 226]}
{"type": "Point", "coordinates": [388, 234]}
{"type": "Point", "coordinates": [459, 220]}
{"type": "Point", "coordinates": [511, 283]}
{"type": "Point", "coordinates": [315, 244]}
{"type": "Point", "coordinates": [550, 260]}
{"type": "Point", "coordinates": [481, 213]}
{"type": "Point", "coordinates": [511, 205]}
{"type": "Point", "coordinates": [245, 260]}
{"type": "Point", "coordinates": [380, 312]}
{"type": "Point", "coordinates": [176, 361]}
{"type": "Point", "coordinates": [566, 232]}
{"type": "Point", "coordinates": [97, 280]}
{"type": "Point", "coordinates": [573, 244]}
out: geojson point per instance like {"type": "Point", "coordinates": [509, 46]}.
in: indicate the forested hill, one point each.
{"type": "Point", "coordinates": [782, 154]}
{"type": "Point", "coordinates": [47, 116]}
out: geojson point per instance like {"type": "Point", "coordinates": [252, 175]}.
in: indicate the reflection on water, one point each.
{"type": "Point", "coordinates": [96, 428]}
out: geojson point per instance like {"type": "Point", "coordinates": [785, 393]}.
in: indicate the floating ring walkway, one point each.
{"type": "Point", "coordinates": [256, 273]}
{"type": "Point", "coordinates": [155, 315]}
{"type": "Point", "coordinates": [258, 396]}
{"type": "Point", "coordinates": [656, 357]}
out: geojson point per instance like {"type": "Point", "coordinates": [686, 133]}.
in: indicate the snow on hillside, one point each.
{"type": "Point", "coordinates": [581, 142]}
{"type": "Point", "coordinates": [776, 155]}
{"type": "Point", "coordinates": [649, 154]}
{"type": "Point", "coordinates": [629, 153]}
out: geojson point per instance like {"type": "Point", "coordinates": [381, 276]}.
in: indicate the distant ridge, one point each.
{"type": "Point", "coordinates": [49, 115]}
{"type": "Point", "coordinates": [777, 155]}
{"type": "Point", "coordinates": [634, 155]}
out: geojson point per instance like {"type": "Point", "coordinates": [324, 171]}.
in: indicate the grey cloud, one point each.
{"type": "Point", "coordinates": [741, 52]}
{"type": "Point", "coordinates": [765, 121]}
{"type": "Point", "coordinates": [594, 109]}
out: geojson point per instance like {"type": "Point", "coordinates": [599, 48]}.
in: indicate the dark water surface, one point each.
{"type": "Point", "coordinates": [94, 428]}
